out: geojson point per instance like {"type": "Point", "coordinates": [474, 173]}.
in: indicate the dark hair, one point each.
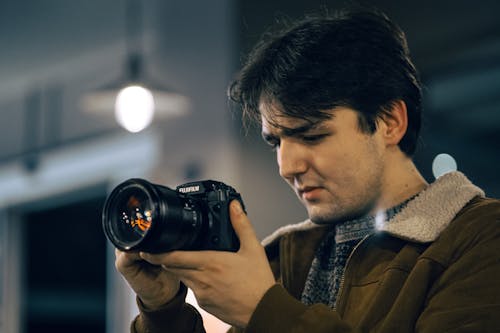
{"type": "Point", "coordinates": [357, 59]}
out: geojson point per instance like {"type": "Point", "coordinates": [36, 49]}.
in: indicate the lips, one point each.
{"type": "Point", "coordinates": [309, 192]}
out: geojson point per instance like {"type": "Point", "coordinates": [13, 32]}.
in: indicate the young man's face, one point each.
{"type": "Point", "coordinates": [336, 170]}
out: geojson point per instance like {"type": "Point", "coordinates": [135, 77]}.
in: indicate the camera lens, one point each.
{"type": "Point", "coordinates": [142, 216]}
{"type": "Point", "coordinates": [134, 216]}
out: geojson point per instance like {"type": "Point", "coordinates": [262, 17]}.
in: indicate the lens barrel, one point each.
{"type": "Point", "coordinates": [142, 216]}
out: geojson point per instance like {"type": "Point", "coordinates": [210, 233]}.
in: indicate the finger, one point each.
{"type": "Point", "coordinates": [191, 260]}
{"type": "Point", "coordinates": [131, 256]}
{"type": "Point", "coordinates": [126, 259]}
{"type": "Point", "coordinates": [242, 226]}
{"type": "Point", "coordinates": [127, 262]}
{"type": "Point", "coordinates": [188, 282]}
{"type": "Point", "coordinates": [188, 276]}
{"type": "Point", "coordinates": [193, 279]}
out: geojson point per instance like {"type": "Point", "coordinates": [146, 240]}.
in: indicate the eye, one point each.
{"type": "Point", "coordinates": [311, 139]}
{"type": "Point", "coordinates": [273, 144]}
{"type": "Point", "coordinates": [272, 141]}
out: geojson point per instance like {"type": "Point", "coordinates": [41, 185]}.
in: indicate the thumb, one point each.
{"type": "Point", "coordinates": [241, 225]}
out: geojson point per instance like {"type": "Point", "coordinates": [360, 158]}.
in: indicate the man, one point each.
{"type": "Point", "coordinates": [339, 100]}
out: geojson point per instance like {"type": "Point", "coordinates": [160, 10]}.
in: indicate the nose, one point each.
{"type": "Point", "coordinates": [291, 159]}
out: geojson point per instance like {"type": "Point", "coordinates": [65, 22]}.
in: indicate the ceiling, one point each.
{"type": "Point", "coordinates": [54, 51]}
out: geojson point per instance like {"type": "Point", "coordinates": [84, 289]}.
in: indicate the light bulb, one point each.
{"type": "Point", "coordinates": [134, 108]}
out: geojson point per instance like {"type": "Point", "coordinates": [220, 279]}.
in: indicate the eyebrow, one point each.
{"type": "Point", "coordinates": [290, 132]}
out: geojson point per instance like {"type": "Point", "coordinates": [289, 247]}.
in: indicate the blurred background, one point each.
{"type": "Point", "coordinates": [62, 148]}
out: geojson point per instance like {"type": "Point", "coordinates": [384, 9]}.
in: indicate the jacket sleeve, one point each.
{"type": "Point", "coordinates": [177, 316]}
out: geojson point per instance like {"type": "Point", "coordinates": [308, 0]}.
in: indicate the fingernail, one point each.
{"type": "Point", "coordinates": [236, 206]}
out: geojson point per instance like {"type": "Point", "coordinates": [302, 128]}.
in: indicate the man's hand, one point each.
{"type": "Point", "coordinates": [154, 285]}
{"type": "Point", "coordinates": [228, 285]}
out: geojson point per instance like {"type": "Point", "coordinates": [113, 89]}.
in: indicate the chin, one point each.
{"type": "Point", "coordinates": [329, 215]}
{"type": "Point", "coordinates": [321, 220]}
{"type": "Point", "coordinates": [318, 216]}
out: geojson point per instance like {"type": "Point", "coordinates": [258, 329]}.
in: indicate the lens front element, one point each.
{"type": "Point", "coordinates": [129, 215]}
{"type": "Point", "coordinates": [135, 216]}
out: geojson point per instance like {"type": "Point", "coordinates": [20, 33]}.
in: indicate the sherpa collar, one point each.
{"type": "Point", "coordinates": [424, 217]}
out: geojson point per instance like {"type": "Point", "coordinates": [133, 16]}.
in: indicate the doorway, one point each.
{"type": "Point", "coordinates": [63, 272]}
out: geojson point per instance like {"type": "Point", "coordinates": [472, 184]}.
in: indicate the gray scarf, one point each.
{"type": "Point", "coordinates": [323, 280]}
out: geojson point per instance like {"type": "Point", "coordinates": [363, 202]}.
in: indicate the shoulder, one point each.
{"type": "Point", "coordinates": [483, 205]}
{"type": "Point", "coordinates": [480, 213]}
{"type": "Point", "coordinates": [476, 226]}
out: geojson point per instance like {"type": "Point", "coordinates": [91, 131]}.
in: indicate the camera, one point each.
{"type": "Point", "coordinates": [142, 216]}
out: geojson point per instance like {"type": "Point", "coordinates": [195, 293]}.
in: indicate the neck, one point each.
{"type": "Point", "coordinates": [402, 181]}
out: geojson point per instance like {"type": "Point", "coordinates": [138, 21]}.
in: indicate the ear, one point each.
{"type": "Point", "coordinates": [395, 123]}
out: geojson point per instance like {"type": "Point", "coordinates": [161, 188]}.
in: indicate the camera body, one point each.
{"type": "Point", "coordinates": [213, 199]}
{"type": "Point", "coordinates": [141, 216]}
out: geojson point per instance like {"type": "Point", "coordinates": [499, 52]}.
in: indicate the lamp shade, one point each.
{"type": "Point", "coordinates": [135, 100]}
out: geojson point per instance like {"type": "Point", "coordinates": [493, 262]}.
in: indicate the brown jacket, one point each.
{"type": "Point", "coordinates": [434, 268]}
